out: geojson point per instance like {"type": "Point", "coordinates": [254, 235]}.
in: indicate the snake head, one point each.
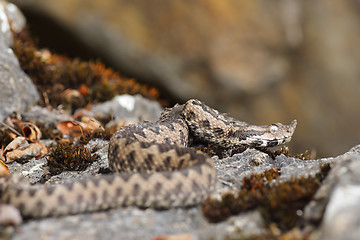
{"type": "Point", "coordinates": [270, 135]}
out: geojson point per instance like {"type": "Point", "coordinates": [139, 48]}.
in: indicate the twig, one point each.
{"type": "Point", "coordinates": [10, 128]}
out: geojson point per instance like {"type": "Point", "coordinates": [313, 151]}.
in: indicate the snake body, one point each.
{"type": "Point", "coordinates": [157, 167]}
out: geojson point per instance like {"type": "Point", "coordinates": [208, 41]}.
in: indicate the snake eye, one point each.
{"type": "Point", "coordinates": [273, 128]}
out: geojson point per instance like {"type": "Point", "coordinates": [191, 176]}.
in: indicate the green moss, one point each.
{"type": "Point", "coordinates": [278, 203]}
{"type": "Point", "coordinates": [66, 156]}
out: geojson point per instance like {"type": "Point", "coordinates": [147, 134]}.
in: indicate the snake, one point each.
{"type": "Point", "coordinates": [152, 164]}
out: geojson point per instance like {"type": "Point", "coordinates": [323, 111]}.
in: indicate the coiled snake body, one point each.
{"type": "Point", "coordinates": [158, 169]}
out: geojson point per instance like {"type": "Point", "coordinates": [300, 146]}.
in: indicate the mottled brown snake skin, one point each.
{"type": "Point", "coordinates": [157, 168]}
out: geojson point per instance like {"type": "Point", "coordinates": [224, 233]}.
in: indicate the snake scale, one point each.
{"type": "Point", "coordinates": [157, 167]}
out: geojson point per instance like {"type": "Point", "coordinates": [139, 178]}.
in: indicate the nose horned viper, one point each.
{"type": "Point", "coordinates": [157, 167]}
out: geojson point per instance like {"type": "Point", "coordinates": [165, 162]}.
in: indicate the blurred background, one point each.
{"type": "Point", "coordinates": [261, 61]}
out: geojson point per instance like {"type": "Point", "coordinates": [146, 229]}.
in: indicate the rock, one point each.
{"type": "Point", "coordinates": [128, 220]}
{"type": "Point", "coordinates": [17, 92]}
{"type": "Point", "coordinates": [238, 227]}
{"type": "Point", "coordinates": [233, 169]}
{"type": "Point", "coordinates": [48, 117]}
{"type": "Point", "coordinates": [337, 203]}
{"type": "Point", "coordinates": [126, 107]}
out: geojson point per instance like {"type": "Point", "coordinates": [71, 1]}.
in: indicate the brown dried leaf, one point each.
{"type": "Point", "coordinates": [72, 128]}
{"type": "Point", "coordinates": [20, 148]}
{"type": "Point", "coordinates": [90, 124]}
{"type": "Point", "coordinates": [9, 215]}
{"type": "Point", "coordinates": [77, 129]}
{"type": "Point", "coordinates": [36, 149]}
{"type": "Point", "coordinates": [18, 143]}
{"type": "Point", "coordinates": [31, 132]}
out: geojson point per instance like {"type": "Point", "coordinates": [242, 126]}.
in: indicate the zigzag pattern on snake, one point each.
{"type": "Point", "coordinates": [157, 167]}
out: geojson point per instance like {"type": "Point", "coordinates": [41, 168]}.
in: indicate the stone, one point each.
{"type": "Point", "coordinates": [231, 171]}
{"type": "Point", "coordinates": [337, 203]}
{"type": "Point", "coordinates": [17, 92]}
{"type": "Point", "coordinates": [126, 107]}
{"type": "Point", "coordinates": [48, 117]}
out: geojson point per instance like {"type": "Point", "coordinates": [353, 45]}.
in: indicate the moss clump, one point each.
{"type": "Point", "coordinates": [106, 135]}
{"type": "Point", "coordinates": [278, 203]}
{"type": "Point", "coordinates": [66, 156]}
{"type": "Point", "coordinates": [255, 181]}
{"type": "Point", "coordinates": [304, 156]}
{"type": "Point", "coordinates": [54, 74]}
{"type": "Point", "coordinates": [285, 151]}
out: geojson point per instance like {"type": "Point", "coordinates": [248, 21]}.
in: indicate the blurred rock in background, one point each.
{"type": "Point", "coordinates": [261, 61]}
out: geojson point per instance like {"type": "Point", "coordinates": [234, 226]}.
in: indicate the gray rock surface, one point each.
{"type": "Point", "coordinates": [43, 115]}
{"type": "Point", "coordinates": [337, 203]}
{"type": "Point", "coordinates": [126, 107]}
{"type": "Point", "coordinates": [17, 92]}
{"type": "Point", "coordinates": [126, 222]}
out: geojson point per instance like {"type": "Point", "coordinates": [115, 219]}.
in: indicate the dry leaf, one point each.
{"type": "Point", "coordinates": [72, 128]}
{"type": "Point", "coordinates": [9, 215]}
{"type": "Point", "coordinates": [36, 149]}
{"type": "Point", "coordinates": [31, 132]}
{"type": "Point", "coordinates": [77, 129]}
{"type": "Point", "coordinates": [18, 143]}
{"type": "Point", "coordinates": [19, 148]}
{"type": "Point", "coordinates": [90, 124]}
